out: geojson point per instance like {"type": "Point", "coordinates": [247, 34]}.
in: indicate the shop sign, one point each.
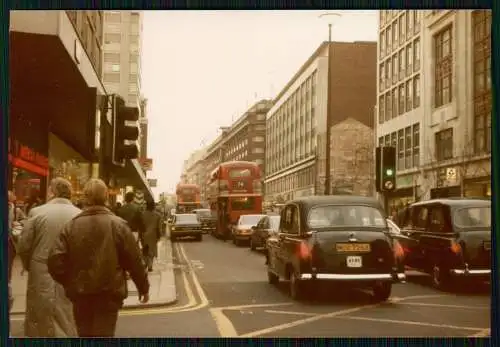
{"type": "Point", "coordinates": [27, 158]}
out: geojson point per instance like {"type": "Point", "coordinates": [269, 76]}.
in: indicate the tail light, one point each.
{"type": "Point", "coordinates": [456, 248]}
{"type": "Point", "coordinates": [304, 250]}
{"type": "Point", "coordinates": [399, 251]}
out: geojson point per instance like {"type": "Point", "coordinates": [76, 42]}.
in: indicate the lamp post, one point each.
{"type": "Point", "coordinates": [330, 18]}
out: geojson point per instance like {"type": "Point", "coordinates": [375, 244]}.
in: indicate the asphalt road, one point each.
{"type": "Point", "coordinates": [223, 291]}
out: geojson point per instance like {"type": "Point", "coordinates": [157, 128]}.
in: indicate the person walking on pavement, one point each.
{"type": "Point", "coordinates": [49, 313]}
{"type": "Point", "coordinates": [90, 258]}
{"type": "Point", "coordinates": [132, 215]}
{"type": "Point", "coordinates": [11, 243]}
{"type": "Point", "coordinates": [149, 239]}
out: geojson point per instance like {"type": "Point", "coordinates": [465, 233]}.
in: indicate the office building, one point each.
{"type": "Point", "coordinates": [297, 122]}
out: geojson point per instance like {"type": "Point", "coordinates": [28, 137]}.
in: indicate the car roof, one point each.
{"type": "Point", "coordinates": [457, 202]}
{"type": "Point", "coordinates": [311, 201]}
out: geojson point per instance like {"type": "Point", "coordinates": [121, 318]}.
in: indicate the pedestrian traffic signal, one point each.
{"type": "Point", "coordinates": [125, 132]}
{"type": "Point", "coordinates": [385, 169]}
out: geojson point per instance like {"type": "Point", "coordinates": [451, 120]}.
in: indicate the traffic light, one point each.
{"type": "Point", "coordinates": [385, 169]}
{"type": "Point", "coordinates": [125, 131]}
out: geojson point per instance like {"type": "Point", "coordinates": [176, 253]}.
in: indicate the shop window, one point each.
{"type": "Point", "coordinates": [444, 144]}
{"type": "Point", "coordinates": [401, 150]}
{"type": "Point", "coordinates": [443, 58]}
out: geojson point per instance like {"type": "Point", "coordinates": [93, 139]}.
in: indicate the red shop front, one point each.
{"type": "Point", "coordinates": [28, 171]}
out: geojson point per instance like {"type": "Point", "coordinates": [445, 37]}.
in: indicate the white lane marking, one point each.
{"type": "Point", "coordinates": [407, 322]}
{"type": "Point", "coordinates": [482, 333]}
{"type": "Point", "coordinates": [303, 321]}
{"type": "Point", "coordinates": [415, 297]}
{"type": "Point", "coordinates": [201, 293]}
{"type": "Point", "coordinates": [328, 315]}
{"type": "Point", "coordinates": [447, 306]}
{"type": "Point", "coordinates": [295, 313]}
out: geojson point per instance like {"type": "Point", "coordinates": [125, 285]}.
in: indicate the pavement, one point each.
{"type": "Point", "coordinates": [222, 291]}
{"type": "Point", "coordinates": [162, 283]}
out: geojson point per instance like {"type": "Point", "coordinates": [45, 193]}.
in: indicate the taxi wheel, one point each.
{"type": "Point", "coordinates": [439, 278]}
{"type": "Point", "coordinates": [382, 291]}
{"type": "Point", "coordinates": [272, 278]}
{"type": "Point", "coordinates": [296, 287]}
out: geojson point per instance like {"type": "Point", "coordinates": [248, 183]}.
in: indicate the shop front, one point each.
{"type": "Point", "coordinates": [28, 167]}
{"type": "Point", "coordinates": [407, 193]}
{"type": "Point", "coordinates": [479, 187]}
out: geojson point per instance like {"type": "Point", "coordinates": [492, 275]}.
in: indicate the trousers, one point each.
{"type": "Point", "coordinates": [96, 317]}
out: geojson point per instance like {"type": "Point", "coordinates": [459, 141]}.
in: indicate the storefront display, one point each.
{"type": "Point", "coordinates": [67, 163]}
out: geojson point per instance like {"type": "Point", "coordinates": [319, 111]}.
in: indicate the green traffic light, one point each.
{"type": "Point", "coordinates": [389, 172]}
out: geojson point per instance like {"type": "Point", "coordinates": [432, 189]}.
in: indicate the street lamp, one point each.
{"type": "Point", "coordinates": [331, 18]}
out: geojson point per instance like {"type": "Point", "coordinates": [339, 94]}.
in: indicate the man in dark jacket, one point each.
{"type": "Point", "coordinates": [132, 215]}
{"type": "Point", "coordinates": [90, 259]}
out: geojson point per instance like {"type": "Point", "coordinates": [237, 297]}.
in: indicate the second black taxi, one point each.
{"type": "Point", "coordinates": [338, 238]}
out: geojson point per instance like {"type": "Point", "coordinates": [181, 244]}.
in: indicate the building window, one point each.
{"type": "Point", "coordinates": [133, 38]}
{"type": "Point", "coordinates": [387, 140]}
{"type": "Point", "coordinates": [134, 58]}
{"type": "Point", "coordinates": [132, 99]}
{"type": "Point", "coordinates": [395, 34]}
{"type": "Point", "coordinates": [416, 145]}
{"type": "Point", "coordinates": [387, 73]}
{"type": "Point", "coordinates": [401, 99]}
{"type": "Point", "coordinates": [381, 110]}
{"type": "Point", "coordinates": [408, 148]}
{"type": "Point", "coordinates": [409, 59]}
{"type": "Point", "coordinates": [261, 116]}
{"type": "Point", "coordinates": [481, 21]}
{"type": "Point", "coordinates": [381, 141]}
{"type": "Point", "coordinates": [258, 139]}
{"type": "Point", "coordinates": [395, 102]}
{"type": "Point", "coordinates": [401, 150]}
{"type": "Point", "coordinates": [394, 140]}
{"type": "Point", "coordinates": [416, 21]}
{"type": "Point", "coordinates": [134, 28]}
{"type": "Point", "coordinates": [409, 95]}
{"type": "Point", "coordinates": [382, 17]}
{"type": "Point", "coordinates": [134, 18]}
{"type": "Point", "coordinates": [395, 68]}
{"type": "Point", "coordinates": [402, 66]}
{"type": "Point", "coordinates": [112, 77]}
{"type": "Point", "coordinates": [112, 88]}
{"type": "Point", "coordinates": [382, 77]}
{"type": "Point", "coordinates": [442, 67]}
{"type": "Point", "coordinates": [416, 91]}
{"type": "Point", "coordinates": [388, 40]}
{"type": "Point", "coordinates": [113, 17]}
{"type": "Point", "coordinates": [134, 47]}
{"type": "Point", "coordinates": [382, 44]}
{"type": "Point", "coordinates": [132, 88]}
{"type": "Point", "coordinates": [112, 38]}
{"type": "Point", "coordinates": [444, 144]}
{"type": "Point", "coordinates": [113, 28]}
{"type": "Point", "coordinates": [112, 58]}
{"type": "Point", "coordinates": [133, 68]}
{"type": "Point", "coordinates": [388, 106]}
{"type": "Point", "coordinates": [409, 23]}
{"type": "Point", "coordinates": [416, 55]}
{"type": "Point", "coordinates": [258, 150]}
{"type": "Point", "coordinates": [402, 29]}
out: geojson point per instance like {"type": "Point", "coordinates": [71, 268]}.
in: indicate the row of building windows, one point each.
{"type": "Point", "coordinates": [237, 146]}
{"type": "Point", "coordinates": [299, 180]}
{"type": "Point", "coordinates": [403, 28]}
{"type": "Point", "coordinates": [400, 99]}
{"type": "Point", "coordinates": [443, 66]}
{"type": "Point", "coordinates": [402, 64]}
{"type": "Point", "coordinates": [407, 144]}
{"type": "Point", "coordinates": [291, 129]}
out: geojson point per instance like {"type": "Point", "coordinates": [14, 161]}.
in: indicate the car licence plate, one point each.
{"type": "Point", "coordinates": [354, 261]}
{"type": "Point", "coordinates": [352, 247]}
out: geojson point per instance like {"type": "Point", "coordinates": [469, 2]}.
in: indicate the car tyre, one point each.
{"type": "Point", "coordinates": [382, 291]}
{"type": "Point", "coordinates": [296, 287]}
{"type": "Point", "coordinates": [440, 279]}
{"type": "Point", "coordinates": [272, 278]}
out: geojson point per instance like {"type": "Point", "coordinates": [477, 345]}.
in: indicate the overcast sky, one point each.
{"type": "Point", "coordinates": [202, 69]}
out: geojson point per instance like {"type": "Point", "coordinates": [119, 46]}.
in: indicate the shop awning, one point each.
{"type": "Point", "coordinates": [134, 173]}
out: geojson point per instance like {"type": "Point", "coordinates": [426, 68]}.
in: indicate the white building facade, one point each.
{"type": "Point", "coordinates": [122, 54]}
{"type": "Point", "coordinates": [434, 106]}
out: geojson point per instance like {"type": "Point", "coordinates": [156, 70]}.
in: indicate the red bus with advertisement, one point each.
{"type": "Point", "coordinates": [235, 189]}
{"type": "Point", "coordinates": [188, 197]}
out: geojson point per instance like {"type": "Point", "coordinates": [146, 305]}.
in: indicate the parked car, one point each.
{"type": "Point", "coordinates": [336, 239]}
{"type": "Point", "coordinates": [242, 231]}
{"type": "Point", "coordinates": [393, 227]}
{"type": "Point", "coordinates": [267, 226]}
{"type": "Point", "coordinates": [206, 219]}
{"type": "Point", "coordinates": [183, 225]}
{"type": "Point", "coordinates": [449, 239]}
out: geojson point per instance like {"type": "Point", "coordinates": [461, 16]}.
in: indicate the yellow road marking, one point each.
{"type": "Point", "coordinates": [483, 333]}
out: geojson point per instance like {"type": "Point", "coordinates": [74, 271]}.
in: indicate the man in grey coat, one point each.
{"type": "Point", "coordinates": [49, 313]}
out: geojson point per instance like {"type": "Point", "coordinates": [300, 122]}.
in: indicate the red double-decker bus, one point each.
{"type": "Point", "coordinates": [188, 197]}
{"type": "Point", "coordinates": [235, 189]}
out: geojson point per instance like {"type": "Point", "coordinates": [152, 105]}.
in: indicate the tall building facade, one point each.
{"type": "Point", "coordinates": [296, 124]}
{"type": "Point", "coordinates": [143, 121]}
{"type": "Point", "coordinates": [434, 101]}
{"type": "Point", "coordinates": [122, 54]}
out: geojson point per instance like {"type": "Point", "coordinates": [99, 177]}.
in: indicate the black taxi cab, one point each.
{"type": "Point", "coordinates": [450, 239]}
{"type": "Point", "coordinates": [338, 238]}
